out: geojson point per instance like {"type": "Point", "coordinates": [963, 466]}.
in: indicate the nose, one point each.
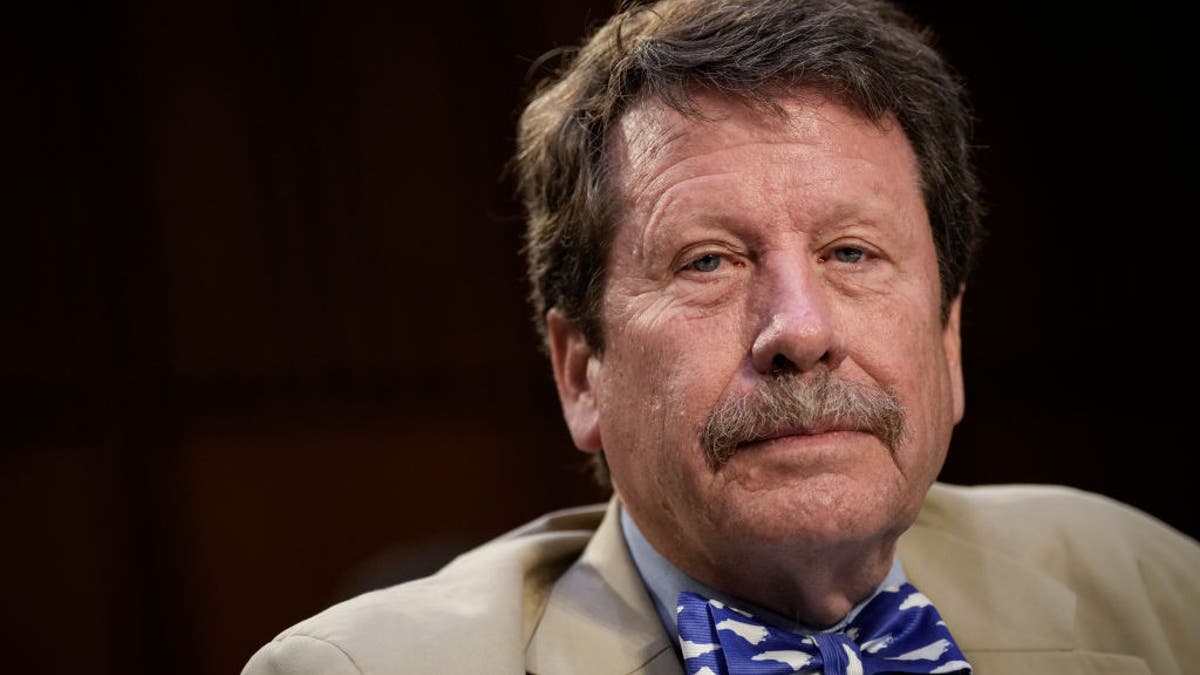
{"type": "Point", "coordinates": [798, 331]}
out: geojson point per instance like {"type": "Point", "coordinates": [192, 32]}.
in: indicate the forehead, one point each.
{"type": "Point", "coordinates": [651, 127]}
{"type": "Point", "coordinates": [807, 150]}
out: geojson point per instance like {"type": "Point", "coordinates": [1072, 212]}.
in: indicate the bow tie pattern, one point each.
{"type": "Point", "coordinates": [898, 631]}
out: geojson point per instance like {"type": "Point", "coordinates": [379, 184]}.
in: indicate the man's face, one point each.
{"type": "Point", "coordinates": [751, 246]}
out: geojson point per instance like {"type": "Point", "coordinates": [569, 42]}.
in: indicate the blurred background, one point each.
{"type": "Point", "coordinates": [264, 338]}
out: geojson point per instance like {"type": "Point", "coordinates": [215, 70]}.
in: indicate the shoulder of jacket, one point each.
{"type": "Point", "coordinates": [1128, 580]}
{"type": "Point", "coordinates": [497, 587]}
{"type": "Point", "coordinates": [1047, 510]}
{"type": "Point", "coordinates": [1055, 525]}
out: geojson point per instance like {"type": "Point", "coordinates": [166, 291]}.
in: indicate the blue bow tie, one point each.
{"type": "Point", "coordinates": [898, 631]}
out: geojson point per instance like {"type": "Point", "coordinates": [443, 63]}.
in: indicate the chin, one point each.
{"type": "Point", "coordinates": [822, 511]}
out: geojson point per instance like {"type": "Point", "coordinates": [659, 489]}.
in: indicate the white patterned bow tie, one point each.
{"type": "Point", "coordinates": [898, 631]}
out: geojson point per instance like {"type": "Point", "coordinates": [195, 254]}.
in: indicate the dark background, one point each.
{"type": "Point", "coordinates": [264, 341]}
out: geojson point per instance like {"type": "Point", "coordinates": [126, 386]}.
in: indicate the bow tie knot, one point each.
{"type": "Point", "coordinates": [898, 631]}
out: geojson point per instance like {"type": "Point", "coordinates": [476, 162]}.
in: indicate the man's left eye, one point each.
{"type": "Point", "coordinates": [848, 254]}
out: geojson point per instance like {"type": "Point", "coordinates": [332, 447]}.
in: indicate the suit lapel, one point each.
{"type": "Point", "coordinates": [599, 619]}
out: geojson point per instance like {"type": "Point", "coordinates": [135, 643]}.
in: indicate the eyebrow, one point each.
{"type": "Point", "coordinates": [845, 214]}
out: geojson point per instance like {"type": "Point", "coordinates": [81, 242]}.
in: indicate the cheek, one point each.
{"type": "Point", "coordinates": [905, 351]}
{"type": "Point", "coordinates": [664, 372]}
{"type": "Point", "coordinates": [683, 351]}
{"type": "Point", "coordinates": [662, 381]}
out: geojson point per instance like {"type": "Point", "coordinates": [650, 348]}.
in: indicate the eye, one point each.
{"type": "Point", "coordinates": [706, 263]}
{"type": "Point", "coordinates": [848, 254]}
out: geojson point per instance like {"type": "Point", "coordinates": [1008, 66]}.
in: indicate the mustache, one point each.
{"type": "Point", "coordinates": [793, 402]}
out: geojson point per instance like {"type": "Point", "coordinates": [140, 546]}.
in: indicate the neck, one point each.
{"type": "Point", "coordinates": [812, 584]}
{"type": "Point", "coordinates": [664, 580]}
{"type": "Point", "coordinates": [815, 588]}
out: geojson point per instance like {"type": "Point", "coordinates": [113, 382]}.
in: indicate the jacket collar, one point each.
{"type": "Point", "coordinates": [599, 619]}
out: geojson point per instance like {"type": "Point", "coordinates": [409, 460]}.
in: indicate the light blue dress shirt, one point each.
{"type": "Point", "coordinates": [664, 581]}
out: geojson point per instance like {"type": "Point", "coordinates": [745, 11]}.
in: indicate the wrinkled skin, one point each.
{"type": "Point", "coordinates": [750, 243]}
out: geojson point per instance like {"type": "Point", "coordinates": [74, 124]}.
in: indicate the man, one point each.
{"type": "Point", "coordinates": [750, 228]}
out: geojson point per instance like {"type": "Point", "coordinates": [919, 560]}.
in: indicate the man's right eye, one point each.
{"type": "Point", "coordinates": [706, 263]}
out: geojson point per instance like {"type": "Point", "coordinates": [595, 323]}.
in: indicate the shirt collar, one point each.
{"type": "Point", "coordinates": [664, 581]}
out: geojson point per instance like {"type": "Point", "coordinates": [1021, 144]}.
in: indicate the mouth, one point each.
{"type": "Point", "coordinates": [803, 432]}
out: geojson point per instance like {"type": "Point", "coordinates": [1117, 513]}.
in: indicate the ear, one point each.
{"type": "Point", "coordinates": [952, 345]}
{"type": "Point", "coordinates": [572, 360]}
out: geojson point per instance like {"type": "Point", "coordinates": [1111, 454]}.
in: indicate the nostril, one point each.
{"type": "Point", "coordinates": [781, 364]}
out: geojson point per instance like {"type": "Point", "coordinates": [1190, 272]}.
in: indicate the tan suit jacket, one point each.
{"type": "Point", "coordinates": [1031, 580]}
